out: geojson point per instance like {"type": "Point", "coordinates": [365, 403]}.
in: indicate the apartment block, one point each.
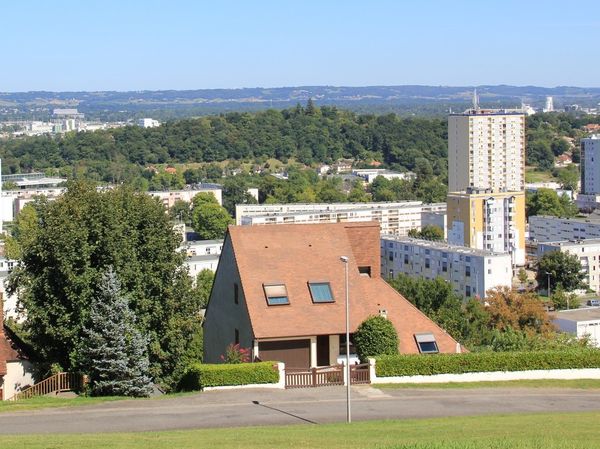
{"type": "Point", "coordinates": [202, 255]}
{"type": "Point", "coordinates": [544, 228]}
{"type": "Point", "coordinates": [588, 253]}
{"type": "Point", "coordinates": [486, 149]}
{"type": "Point", "coordinates": [470, 272]}
{"type": "Point", "coordinates": [487, 220]}
{"type": "Point", "coordinates": [590, 165]}
{"type": "Point", "coordinates": [394, 218]}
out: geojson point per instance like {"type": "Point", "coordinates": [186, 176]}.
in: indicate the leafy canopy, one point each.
{"type": "Point", "coordinates": [67, 246]}
{"type": "Point", "coordinates": [562, 270]}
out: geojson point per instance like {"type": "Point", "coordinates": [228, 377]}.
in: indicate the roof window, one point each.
{"type": "Point", "coordinates": [426, 343]}
{"type": "Point", "coordinates": [276, 294]}
{"type": "Point", "coordinates": [320, 292]}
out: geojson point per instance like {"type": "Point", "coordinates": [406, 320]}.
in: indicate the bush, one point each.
{"type": "Point", "coordinates": [375, 336]}
{"type": "Point", "coordinates": [199, 376]}
{"type": "Point", "coordinates": [416, 364]}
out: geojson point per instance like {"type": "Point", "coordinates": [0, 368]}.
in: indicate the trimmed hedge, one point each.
{"type": "Point", "coordinates": [474, 362]}
{"type": "Point", "coordinates": [199, 376]}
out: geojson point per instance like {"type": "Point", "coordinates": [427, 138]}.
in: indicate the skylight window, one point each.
{"type": "Point", "coordinates": [320, 292]}
{"type": "Point", "coordinates": [426, 343]}
{"type": "Point", "coordinates": [276, 294]}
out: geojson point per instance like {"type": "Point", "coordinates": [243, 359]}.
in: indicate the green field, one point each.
{"type": "Point", "coordinates": [49, 402]}
{"type": "Point", "coordinates": [543, 431]}
{"type": "Point", "coordinates": [533, 175]}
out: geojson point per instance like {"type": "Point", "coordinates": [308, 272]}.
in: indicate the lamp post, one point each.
{"type": "Point", "coordinates": [548, 273]}
{"type": "Point", "coordinates": [344, 259]}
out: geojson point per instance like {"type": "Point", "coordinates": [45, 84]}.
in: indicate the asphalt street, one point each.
{"type": "Point", "coordinates": [252, 407]}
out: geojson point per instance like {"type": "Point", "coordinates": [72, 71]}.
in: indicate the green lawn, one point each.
{"type": "Point", "coordinates": [50, 402]}
{"type": "Point", "coordinates": [540, 431]}
{"type": "Point", "coordinates": [581, 384]}
{"type": "Point", "coordinates": [533, 175]}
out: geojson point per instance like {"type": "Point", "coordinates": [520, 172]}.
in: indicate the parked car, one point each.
{"type": "Point", "coordinates": [593, 302]}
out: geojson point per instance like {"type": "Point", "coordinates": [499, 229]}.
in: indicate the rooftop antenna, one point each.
{"type": "Point", "coordinates": [475, 100]}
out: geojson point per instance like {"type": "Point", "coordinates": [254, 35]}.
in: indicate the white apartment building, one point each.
{"type": "Point", "coordinates": [148, 123]}
{"type": "Point", "coordinates": [590, 165]}
{"type": "Point", "coordinates": [486, 150]}
{"type": "Point", "coordinates": [588, 253]}
{"type": "Point", "coordinates": [168, 197]}
{"type": "Point", "coordinates": [394, 218]}
{"type": "Point", "coordinates": [202, 255]}
{"type": "Point", "coordinates": [545, 228]}
{"type": "Point", "coordinates": [471, 272]}
{"type": "Point", "coordinates": [369, 174]}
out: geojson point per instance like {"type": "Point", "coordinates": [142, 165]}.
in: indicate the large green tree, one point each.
{"type": "Point", "coordinates": [563, 270]}
{"type": "Point", "coordinates": [65, 251]}
{"type": "Point", "coordinates": [210, 220]}
{"type": "Point", "coordinates": [548, 202]}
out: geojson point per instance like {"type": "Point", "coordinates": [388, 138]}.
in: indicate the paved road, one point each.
{"type": "Point", "coordinates": [316, 405]}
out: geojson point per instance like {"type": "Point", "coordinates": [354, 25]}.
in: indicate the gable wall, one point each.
{"type": "Point", "coordinates": [223, 316]}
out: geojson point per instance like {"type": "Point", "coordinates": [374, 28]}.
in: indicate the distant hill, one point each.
{"type": "Point", "coordinates": [165, 104]}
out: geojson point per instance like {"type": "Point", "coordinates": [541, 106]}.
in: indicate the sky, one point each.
{"type": "Point", "coordinates": [92, 45]}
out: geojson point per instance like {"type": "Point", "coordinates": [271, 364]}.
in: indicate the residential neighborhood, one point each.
{"type": "Point", "coordinates": [317, 225]}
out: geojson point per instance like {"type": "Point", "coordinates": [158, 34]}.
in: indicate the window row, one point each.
{"type": "Point", "coordinates": [276, 294]}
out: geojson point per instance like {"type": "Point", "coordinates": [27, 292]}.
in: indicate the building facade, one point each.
{"type": "Point", "coordinates": [202, 255]}
{"type": "Point", "coordinates": [486, 149]}
{"type": "Point", "coordinates": [545, 228]}
{"type": "Point", "coordinates": [394, 218]}
{"type": "Point", "coordinates": [488, 221]}
{"type": "Point", "coordinates": [588, 253]}
{"type": "Point", "coordinates": [590, 165]}
{"type": "Point", "coordinates": [471, 272]}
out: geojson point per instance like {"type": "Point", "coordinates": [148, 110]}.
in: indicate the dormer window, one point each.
{"type": "Point", "coordinates": [320, 292]}
{"type": "Point", "coordinates": [276, 294]}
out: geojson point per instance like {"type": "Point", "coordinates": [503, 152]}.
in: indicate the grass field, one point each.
{"type": "Point", "coordinates": [533, 175]}
{"type": "Point", "coordinates": [543, 431]}
{"type": "Point", "coordinates": [49, 402]}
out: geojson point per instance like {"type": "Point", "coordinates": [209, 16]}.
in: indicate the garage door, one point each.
{"type": "Point", "coordinates": [294, 353]}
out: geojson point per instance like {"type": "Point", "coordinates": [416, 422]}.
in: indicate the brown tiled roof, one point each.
{"type": "Point", "coordinates": [297, 254]}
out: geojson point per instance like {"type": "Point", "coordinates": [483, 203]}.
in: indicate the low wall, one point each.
{"type": "Point", "coordinates": [565, 374]}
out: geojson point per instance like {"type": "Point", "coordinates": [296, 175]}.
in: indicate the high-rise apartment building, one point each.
{"type": "Point", "coordinates": [486, 180]}
{"type": "Point", "coordinates": [590, 165]}
{"type": "Point", "coordinates": [486, 149]}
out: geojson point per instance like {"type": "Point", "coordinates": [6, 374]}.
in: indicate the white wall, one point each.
{"type": "Point", "coordinates": [19, 374]}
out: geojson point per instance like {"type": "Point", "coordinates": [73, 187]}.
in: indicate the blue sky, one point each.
{"type": "Point", "coordinates": [179, 44]}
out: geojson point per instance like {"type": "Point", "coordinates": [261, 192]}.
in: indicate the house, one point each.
{"type": "Point", "coordinates": [280, 290]}
{"type": "Point", "coordinates": [16, 371]}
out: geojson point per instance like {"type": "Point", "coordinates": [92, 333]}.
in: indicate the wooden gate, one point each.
{"type": "Point", "coordinates": [326, 376]}
{"type": "Point", "coordinates": [360, 374]}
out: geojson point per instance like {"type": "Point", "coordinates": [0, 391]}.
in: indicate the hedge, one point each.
{"type": "Point", "coordinates": [474, 362]}
{"type": "Point", "coordinates": [199, 376]}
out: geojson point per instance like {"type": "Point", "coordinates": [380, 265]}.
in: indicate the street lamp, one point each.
{"type": "Point", "coordinates": [344, 259]}
{"type": "Point", "coordinates": [548, 273]}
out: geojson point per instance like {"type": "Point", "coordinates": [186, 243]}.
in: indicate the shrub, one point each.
{"type": "Point", "coordinates": [235, 354]}
{"type": "Point", "coordinates": [199, 376]}
{"type": "Point", "coordinates": [416, 364]}
{"type": "Point", "coordinates": [375, 336]}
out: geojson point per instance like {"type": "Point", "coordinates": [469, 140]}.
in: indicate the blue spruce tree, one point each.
{"type": "Point", "coordinates": [113, 352]}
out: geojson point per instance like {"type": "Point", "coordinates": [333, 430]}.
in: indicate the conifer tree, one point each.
{"type": "Point", "coordinates": [113, 351]}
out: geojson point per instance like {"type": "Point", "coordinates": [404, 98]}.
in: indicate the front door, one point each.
{"type": "Point", "coordinates": [323, 350]}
